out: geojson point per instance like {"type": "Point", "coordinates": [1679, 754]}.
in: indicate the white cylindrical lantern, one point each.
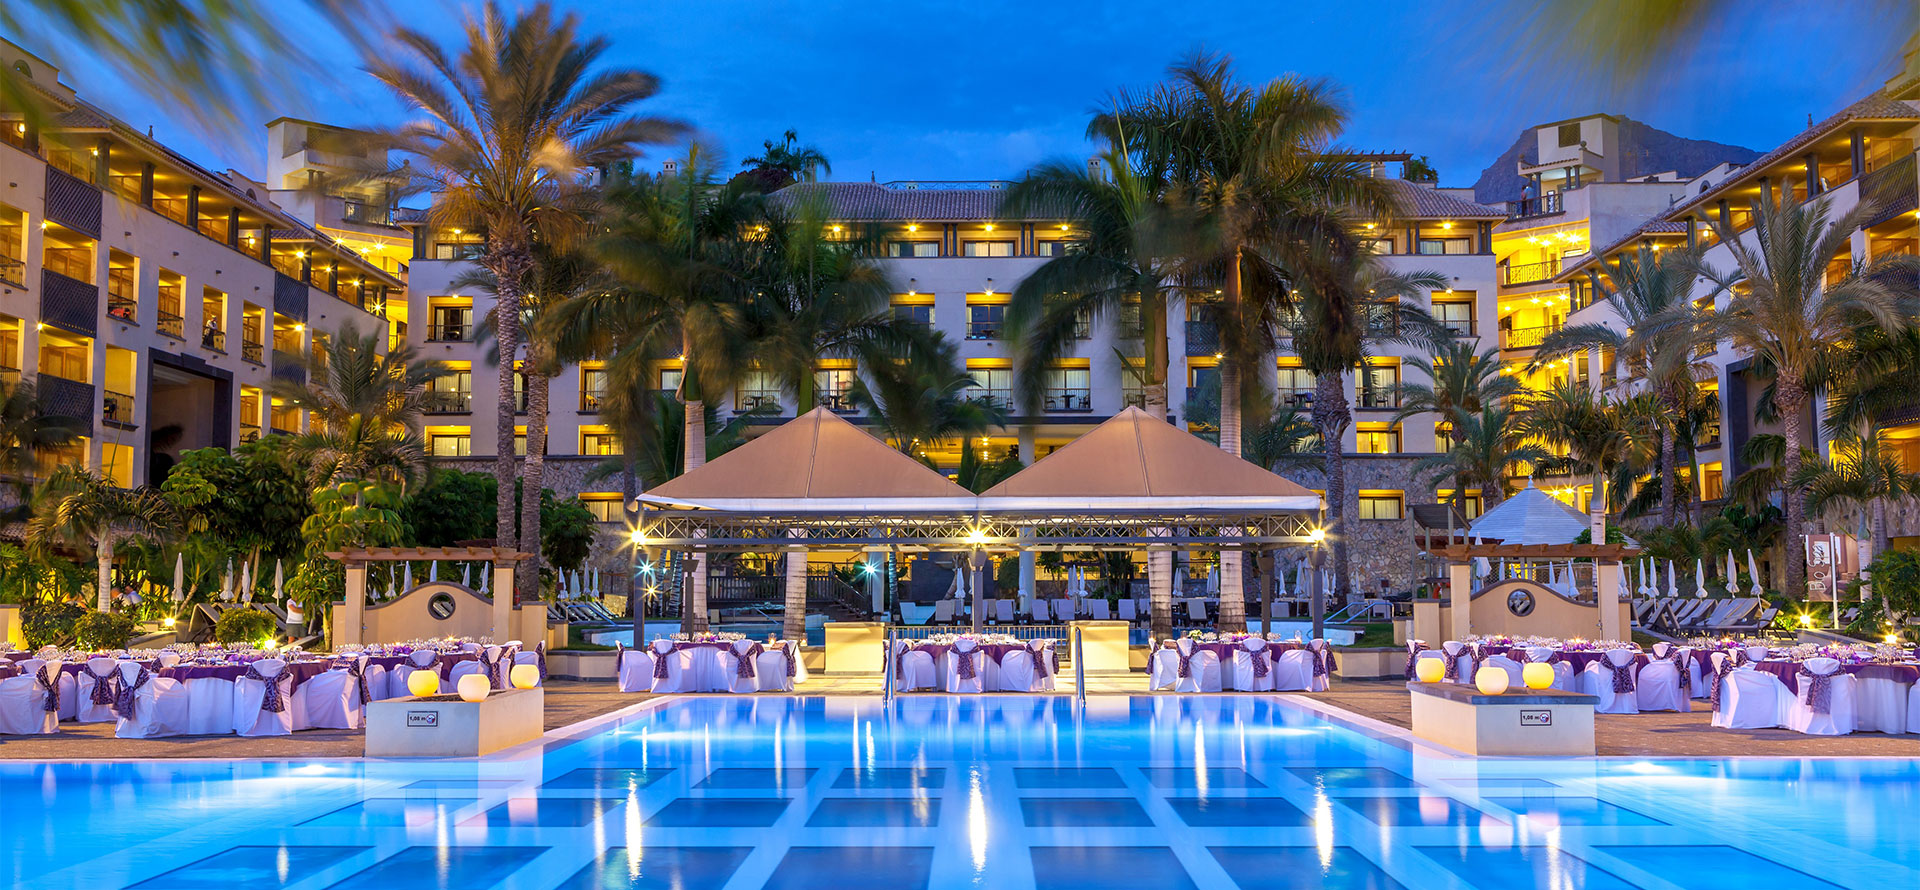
{"type": "Point", "coordinates": [524, 676]}
{"type": "Point", "coordinates": [1491, 680]}
{"type": "Point", "coordinates": [1430, 670]}
{"type": "Point", "coordinates": [423, 683]}
{"type": "Point", "coordinates": [474, 687]}
{"type": "Point", "coordinates": [1538, 675]}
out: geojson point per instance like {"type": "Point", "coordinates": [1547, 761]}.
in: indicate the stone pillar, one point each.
{"type": "Point", "coordinates": [694, 604]}
{"type": "Point", "coordinates": [795, 627]}
{"type": "Point", "coordinates": [503, 600]}
{"type": "Point", "coordinates": [1233, 587]}
{"type": "Point", "coordinates": [1460, 599]}
{"type": "Point", "coordinates": [352, 629]}
{"type": "Point", "coordinates": [1029, 570]}
{"type": "Point", "coordinates": [1160, 590]}
{"type": "Point", "coordinates": [1607, 579]}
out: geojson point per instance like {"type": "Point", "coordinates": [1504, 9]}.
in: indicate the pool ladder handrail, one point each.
{"type": "Point", "coordinates": [886, 665]}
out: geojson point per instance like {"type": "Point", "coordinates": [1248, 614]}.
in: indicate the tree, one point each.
{"type": "Point", "coordinates": [1785, 313]}
{"type": "Point", "coordinates": [781, 164]}
{"type": "Point", "coordinates": [29, 426]}
{"type": "Point", "coordinates": [77, 508]}
{"type": "Point", "coordinates": [1859, 478]}
{"type": "Point", "coordinates": [1484, 450]}
{"type": "Point", "coordinates": [1652, 293]}
{"type": "Point", "coordinates": [1582, 431]}
{"type": "Point", "coordinates": [510, 130]}
{"type": "Point", "coordinates": [1459, 381]}
{"type": "Point", "coordinates": [925, 399]}
{"type": "Point", "coordinates": [365, 408]}
{"type": "Point", "coordinates": [248, 503]}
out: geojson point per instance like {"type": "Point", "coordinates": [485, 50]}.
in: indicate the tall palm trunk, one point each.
{"type": "Point", "coordinates": [527, 576]}
{"type": "Point", "coordinates": [1230, 406]}
{"type": "Point", "coordinates": [1153, 330]}
{"type": "Point", "coordinates": [1669, 478]}
{"type": "Point", "coordinates": [794, 623]}
{"type": "Point", "coordinates": [509, 265]}
{"type": "Point", "coordinates": [1789, 398]}
{"type": "Point", "coordinates": [695, 435]}
{"type": "Point", "coordinates": [103, 591]}
{"type": "Point", "coordinates": [1331, 416]}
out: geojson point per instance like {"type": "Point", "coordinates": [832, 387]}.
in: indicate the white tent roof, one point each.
{"type": "Point", "coordinates": [1530, 517]}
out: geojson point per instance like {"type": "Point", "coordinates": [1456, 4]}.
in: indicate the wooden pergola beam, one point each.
{"type": "Point", "coordinates": [430, 554]}
{"type": "Point", "coordinates": [1462, 552]}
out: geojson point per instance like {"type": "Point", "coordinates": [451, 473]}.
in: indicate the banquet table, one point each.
{"type": "Point", "coordinates": [1789, 672]}
{"type": "Point", "coordinates": [1880, 691]}
{"type": "Point", "coordinates": [995, 653]}
{"type": "Point", "coordinates": [714, 667]}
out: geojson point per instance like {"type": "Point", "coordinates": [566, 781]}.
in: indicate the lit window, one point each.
{"type": "Point", "coordinates": [987, 248]}
{"type": "Point", "coordinates": [1381, 504]}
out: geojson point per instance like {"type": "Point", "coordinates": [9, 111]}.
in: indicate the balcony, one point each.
{"type": "Point", "coordinates": [1526, 338]}
{"type": "Point", "coordinates": [984, 330]}
{"type": "Point", "coordinates": [1544, 205]}
{"type": "Point", "coordinates": [1203, 338]}
{"type": "Point", "coordinates": [69, 302]}
{"type": "Point", "coordinates": [116, 408]}
{"type": "Point", "coordinates": [66, 397]}
{"type": "Point", "coordinates": [757, 400]}
{"type": "Point", "coordinates": [1383, 321]}
{"type": "Point", "coordinates": [1001, 397]}
{"type": "Point", "coordinates": [249, 432]}
{"type": "Point", "coordinates": [215, 340]}
{"type": "Point", "coordinates": [839, 402]}
{"type": "Point", "coordinates": [253, 352]}
{"type": "Point", "coordinates": [457, 332]}
{"type": "Point", "coordinates": [1296, 398]}
{"type": "Point", "coordinates": [13, 271]}
{"type": "Point", "coordinates": [172, 324]}
{"type": "Point", "coordinates": [1892, 190]}
{"type": "Point", "coordinates": [457, 401]}
{"type": "Point", "coordinates": [1386, 395]}
{"type": "Point", "coordinates": [289, 366]}
{"type": "Point", "coordinates": [121, 303]}
{"type": "Point", "coordinates": [1069, 401]}
{"type": "Point", "coordinates": [1529, 273]}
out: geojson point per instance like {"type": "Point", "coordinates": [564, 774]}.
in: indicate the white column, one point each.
{"type": "Point", "coordinates": [353, 618]}
{"type": "Point", "coordinates": [503, 599]}
{"type": "Point", "coordinates": [1460, 599]}
{"type": "Point", "coordinates": [1607, 579]}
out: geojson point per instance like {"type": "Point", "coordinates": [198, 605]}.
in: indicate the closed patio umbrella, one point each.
{"type": "Point", "coordinates": [1753, 574]}
{"type": "Point", "coordinates": [1672, 588]}
{"type": "Point", "coordinates": [279, 581]}
{"type": "Point", "coordinates": [1699, 578]}
{"type": "Point", "coordinates": [1733, 575]}
{"type": "Point", "coordinates": [407, 579]}
{"type": "Point", "coordinates": [180, 577]}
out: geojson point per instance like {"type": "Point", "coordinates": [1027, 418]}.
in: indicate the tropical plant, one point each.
{"type": "Point", "coordinates": [980, 471]}
{"type": "Point", "coordinates": [353, 514]}
{"type": "Point", "coordinates": [1459, 381]}
{"type": "Point", "coordinates": [1856, 481]}
{"type": "Point", "coordinates": [1484, 451]}
{"type": "Point", "coordinates": [46, 622]}
{"type": "Point", "coordinates": [103, 630]}
{"type": "Point", "coordinates": [925, 399]}
{"type": "Point", "coordinates": [783, 163]}
{"type": "Point", "coordinates": [249, 626]}
{"type": "Point", "coordinates": [29, 427]}
{"type": "Point", "coordinates": [1652, 293]}
{"type": "Point", "coordinates": [364, 406]}
{"type": "Point", "coordinates": [1787, 314]}
{"type": "Point", "coordinates": [251, 500]}
{"type": "Point", "coordinates": [77, 508]}
{"type": "Point", "coordinates": [1583, 432]}
{"type": "Point", "coordinates": [1285, 440]}
{"type": "Point", "coordinates": [511, 127]}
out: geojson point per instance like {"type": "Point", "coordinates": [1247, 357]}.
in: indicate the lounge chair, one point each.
{"type": "Point", "coordinates": [1063, 609]}
{"type": "Point", "coordinates": [1003, 611]}
{"type": "Point", "coordinates": [1099, 610]}
{"type": "Point", "coordinates": [943, 612]}
{"type": "Point", "coordinates": [1197, 611]}
{"type": "Point", "coordinates": [1039, 611]}
{"type": "Point", "coordinates": [1127, 611]}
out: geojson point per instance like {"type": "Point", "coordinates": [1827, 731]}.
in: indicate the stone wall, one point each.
{"type": "Point", "coordinates": [1376, 549]}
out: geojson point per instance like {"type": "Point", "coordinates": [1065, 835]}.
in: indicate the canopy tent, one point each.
{"type": "Point", "coordinates": [1530, 517]}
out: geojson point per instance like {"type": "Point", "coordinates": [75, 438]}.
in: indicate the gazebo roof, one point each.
{"type": "Point", "coordinates": [1530, 517]}
{"type": "Point", "coordinates": [1137, 461]}
{"type": "Point", "coordinates": [816, 462]}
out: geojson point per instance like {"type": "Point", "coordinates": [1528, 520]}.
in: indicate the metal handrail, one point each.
{"type": "Point", "coordinates": [1079, 667]}
{"type": "Point", "coordinates": [886, 664]}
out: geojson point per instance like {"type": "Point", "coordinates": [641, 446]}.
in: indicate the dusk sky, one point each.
{"type": "Point", "coordinates": [983, 89]}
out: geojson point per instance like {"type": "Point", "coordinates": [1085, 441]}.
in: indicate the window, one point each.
{"type": "Point", "coordinates": [1296, 386]}
{"type": "Point", "coordinates": [986, 322]}
{"type": "Point", "coordinates": [1569, 135]}
{"type": "Point", "coordinates": [1469, 503]}
{"type": "Point", "coordinates": [449, 322]}
{"type": "Point", "coordinates": [253, 330]}
{"type": "Point", "coordinates": [833, 388]}
{"type": "Point", "coordinates": [66, 357]}
{"type": "Point", "coordinates": [1445, 246]}
{"type": "Point", "coordinates": [598, 442]}
{"type": "Point", "coordinates": [449, 444]}
{"type": "Point", "coordinates": [921, 314]}
{"type": "Point", "coordinates": [1383, 317]}
{"type": "Point", "coordinates": [759, 390]}
{"type": "Point", "coordinates": [452, 394]}
{"type": "Point", "coordinates": [1377, 438]}
{"type": "Point", "coordinates": [670, 379]}
{"type": "Point", "coordinates": [1455, 315]}
{"type": "Point", "coordinates": [1380, 246]}
{"type": "Point", "coordinates": [604, 505]}
{"type": "Point", "coordinates": [1380, 505]}
{"type": "Point", "coordinates": [913, 248]}
{"type": "Point", "coordinates": [250, 403]}
{"type": "Point", "coordinates": [1442, 436]}
{"type": "Point", "coordinates": [1712, 488]}
{"type": "Point", "coordinates": [1068, 390]}
{"type": "Point", "coordinates": [282, 417]}
{"type": "Point", "coordinates": [1381, 386]}
{"type": "Point", "coordinates": [1051, 248]}
{"type": "Point", "coordinates": [986, 248]}
{"type": "Point", "coordinates": [991, 383]}
{"type": "Point", "coordinates": [122, 277]}
{"type": "Point", "coordinates": [593, 387]}
{"type": "Point", "coordinates": [10, 329]}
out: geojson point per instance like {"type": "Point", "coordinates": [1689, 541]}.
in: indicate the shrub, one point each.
{"type": "Point", "coordinates": [244, 626]}
{"type": "Point", "coordinates": [103, 630]}
{"type": "Point", "coordinates": [49, 623]}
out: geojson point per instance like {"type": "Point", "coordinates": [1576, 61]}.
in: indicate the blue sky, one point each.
{"type": "Point", "coordinates": [983, 89]}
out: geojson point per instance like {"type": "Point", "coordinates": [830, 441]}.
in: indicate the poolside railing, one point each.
{"type": "Point", "coordinates": [1017, 631]}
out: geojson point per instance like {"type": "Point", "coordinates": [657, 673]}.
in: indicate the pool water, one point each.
{"type": "Point", "coordinates": [999, 792]}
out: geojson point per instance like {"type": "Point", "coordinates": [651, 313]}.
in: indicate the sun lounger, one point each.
{"type": "Point", "coordinates": [1039, 611]}
{"type": "Point", "coordinates": [1128, 612]}
{"type": "Point", "coordinates": [1003, 611]}
{"type": "Point", "coordinates": [915, 614]}
{"type": "Point", "coordinates": [1063, 609]}
{"type": "Point", "coordinates": [943, 612]}
{"type": "Point", "coordinates": [1099, 610]}
{"type": "Point", "coordinates": [1197, 611]}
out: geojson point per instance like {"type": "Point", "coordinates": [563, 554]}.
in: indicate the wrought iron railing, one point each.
{"type": "Point", "coordinates": [1526, 273]}
{"type": "Point", "coordinates": [1544, 205]}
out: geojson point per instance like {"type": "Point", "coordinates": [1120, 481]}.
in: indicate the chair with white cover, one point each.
{"type": "Point", "coordinates": [1744, 698]}
{"type": "Point", "coordinates": [166, 658]}
{"type": "Point", "coordinates": [1038, 611]}
{"type": "Point", "coordinates": [1459, 662]}
{"type": "Point", "coordinates": [1252, 668]}
{"type": "Point", "coordinates": [1293, 670]}
{"type": "Point", "coordinates": [743, 667]}
{"type": "Point", "coordinates": [537, 656]}
{"type": "Point", "coordinates": [1199, 669]}
{"type": "Point", "coordinates": [777, 666]}
{"type": "Point", "coordinates": [1825, 703]}
{"type": "Point", "coordinates": [1323, 665]}
{"type": "Point", "coordinates": [1044, 666]}
{"type": "Point", "coordinates": [1016, 672]}
{"type": "Point", "coordinates": [398, 679]}
{"type": "Point", "coordinates": [1562, 671]}
{"type": "Point", "coordinates": [943, 612]}
{"type": "Point", "coordinates": [336, 699]}
{"type": "Point", "coordinates": [1610, 678]}
{"type": "Point", "coordinates": [1757, 653]}
{"type": "Point", "coordinates": [1913, 709]}
{"type": "Point", "coordinates": [149, 706]}
{"type": "Point", "coordinates": [263, 699]}
{"type": "Point", "coordinates": [633, 669]}
{"type": "Point", "coordinates": [1163, 667]}
{"type": "Point", "coordinates": [966, 669]}
{"type": "Point", "coordinates": [1414, 648]}
{"type": "Point", "coordinates": [1665, 684]}
{"type": "Point", "coordinates": [913, 668]}
{"type": "Point", "coordinates": [1128, 612]}
{"type": "Point", "coordinates": [673, 669]}
{"type": "Point", "coordinates": [485, 663]}
{"type": "Point", "coordinates": [1516, 675]}
{"type": "Point", "coordinates": [1003, 611]}
{"type": "Point", "coordinates": [1880, 705]}
{"type": "Point", "coordinates": [94, 687]}
{"type": "Point", "coordinates": [30, 700]}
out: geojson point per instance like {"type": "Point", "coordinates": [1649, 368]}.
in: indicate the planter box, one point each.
{"type": "Point", "coordinates": [1523, 723]}
{"type": "Point", "coordinates": [413, 727]}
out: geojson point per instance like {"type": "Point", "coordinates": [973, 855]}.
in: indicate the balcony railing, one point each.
{"type": "Point", "coordinates": [1001, 397]}
{"type": "Point", "coordinates": [1386, 395]}
{"type": "Point", "coordinates": [13, 271]}
{"type": "Point", "coordinates": [1382, 319]}
{"type": "Point", "coordinates": [448, 333]}
{"type": "Point", "coordinates": [1526, 338]}
{"type": "Point", "coordinates": [840, 402]}
{"type": "Point", "coordinates": [1891, 190]}
{"type": "Point", "coordinates": [1203, 338]}
{"type": "Point", "coordinates": [449, 401]}
{"type": "Point", "coordinates": [1069, 401]}
{"type": "Point", "coordinates": [757, 401]}
{"type": "Point", "coordinates": [116, 408]}
{"type": "Point", "coordinates": [590, 400]}
{"type": "Point", "coordinates": [1459, 327]}
{"type": "Point", "coordinates": [121, 303]}
{"type": "Point", "coordinates": [1527, 273]}
{"type": "Point", "coordinates": [253, 352]}
{"type": "Point", "coordinates": [1544, 205]}
{"type": "Point", "coordinates": [215, 340]}
{"type": "Point", "coordinates": [249, 432]}
{"type": "Point", "coordinates": [984, 330]}
{"type": "Point", "coordinates": [1296, 398]}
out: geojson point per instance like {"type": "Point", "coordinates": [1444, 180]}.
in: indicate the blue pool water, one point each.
{"type": "Point", "coordinates": [1000, 792]}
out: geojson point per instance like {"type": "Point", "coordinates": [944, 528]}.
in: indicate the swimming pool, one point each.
{"type": "Point", "coordinates": [998, 792]}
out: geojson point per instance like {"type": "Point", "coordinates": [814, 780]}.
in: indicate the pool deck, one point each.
{"type": "Point", "coordinates": [570, 702]}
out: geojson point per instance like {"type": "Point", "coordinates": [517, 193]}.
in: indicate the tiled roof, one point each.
{"type": "Point", "coordinates": [872, 201]}
{"type": "Point", "coordinates": [1421, 202]}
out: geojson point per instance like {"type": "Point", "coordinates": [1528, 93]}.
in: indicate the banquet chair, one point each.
{"type": "Point", "coordinates": [166, 658]}
{"type": "Point", "coordinates": [1100, 610]}
{"type": "Point", "coordinates": [773, 665]}
{"type": "Point", "coordinates": [1515, 673]}
{"type": "Point", "coordinates": [1747, 698]}
{"type": "Point", "coordinates": [913, 668]}
{"type": "Point", "coordinates": [966, 658]}
{"type": "Point", "coordinates": [742, 667]}
{"type": "Point", "coordinates": [336, 699]}
{"type": "Point", "coordinates": [1880, 705]}
{"type": "Point", "coordinates": [1163, 667]}
{"type": "Point", "coordinates": [1913, 709]}
{"type": "Point", "coordinates": [1611, 680]}
{"type": "Point", "coordinates": [633, 669]}
{"type": "Point", "coordinates": [1562, 671]}
{"type": "Point", "coordinates": [1253, 668]}
{"type": "Point", "coordinates": [537, 656]}
{"type": "Point", "coordinates": [1322, 663]}
{"type": "Point", "coordinates": [1665, 683]}
{"type": "Point", "coordinates": [1293, 670]}
{"type": "Point", "coordinates": [1459, 662]}
{"type": "Point", "coordinates": [1038, 611]}
{"type": "Point", "coordinates": [399, 679]}
{"type": "Point", "coordinates": [1044, 667]}
{"type": "Point", "coordinates": [1805, 713]}
{"type": "Point", "coordinates": [1003, 611]}
{"type": "Point", "coordinates": [24, 699]}
{"type": "Point", "coordinates": [94, 687]}
{"type": "Point", "coordinates": [263, 699]}
{"type": "Point", "coordinates": [1756, 654]}
{"type": "Point", "coordinates": [149, 706]}
{"type": "Point", "coordinates": [1127, 611]}
{"type": "Point", "coordinates": [1016, 672]}
{"type": "Point", "coordinates": [487, 664]}
{"type": "Point", "coordinates": [1203, 669]}
{"type": "Point", "coordinates": [1414, 648]}
{"type": "Point", "coordinates": [673, 668]}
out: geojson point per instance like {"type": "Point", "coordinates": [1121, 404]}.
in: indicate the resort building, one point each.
{"type": "Point", "coordinates": [153, 298]}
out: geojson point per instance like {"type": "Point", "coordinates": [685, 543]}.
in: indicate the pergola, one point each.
{"type": "Point", "coordinates": [356, 559]}
{"type": "Point", "coordinates": [819, 482]}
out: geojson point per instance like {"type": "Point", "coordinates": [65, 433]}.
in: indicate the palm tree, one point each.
{"type": "Point", "coordinates": [1860, 477]}
{"type": "Point", "coordinates": [925, 399]}
{"type": "Point", "coordinates": [1652, 293]}
{"type": "Point", "coordinates": [1459, 381]}
{"type": "Point", "coordinates": [1786, 314]}
{"type": "Point", "coordinates": [364, 406]}
{"type": "Point", "coordinates": [1286, 440]}
{"type": "Point", "coordinates": [1567, 418]}
{"type": "Point", "coordinates": [1484, 450]}
{"type": "Point", "coordinates": [77, 508]}
{"type": "Point", "coordinates": [511, 128]}
{"type": "Point", "coordinates": [783, 163]}
{"type": "Point", "coordinates": [29, 427]}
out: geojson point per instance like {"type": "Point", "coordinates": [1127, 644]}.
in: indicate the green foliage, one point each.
{"type": "Point", "coordinates": [103, 630]}
{"type": "Point", "coordinates": [244, 626]}
{"type": "Point", "coordinates": [251, 500]}
{"type": "Point", "coordinates": [49, 623]}
{"type": "Point", "coordinates": [452, 506]}
{"type": "Point", "coordinates": [567, 530]}
{"type": "Point", "coordinates": [1895, 579]}
{"type": "Point", "coordinates": [353, 514]}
